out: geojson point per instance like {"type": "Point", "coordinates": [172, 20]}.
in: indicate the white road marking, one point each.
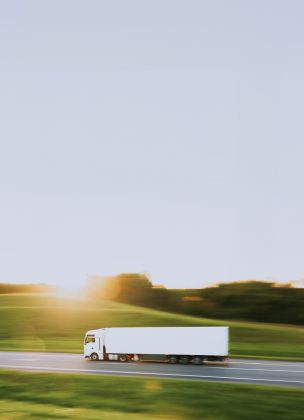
{"type": "Point", "coordinates": [38, 354]}
{"type": "Point", "coordinates": [176, 375]}
{"type": "Point", "coordinates": [206, 366]}
{"type": "Point", "coordinates": [80, 356]}
{"type": "Point", "coordinates": [258, 369]}
{"type": "Point", "coordinates": [231, 361]}
{"type": "Point", "coordinates": [272, 363]}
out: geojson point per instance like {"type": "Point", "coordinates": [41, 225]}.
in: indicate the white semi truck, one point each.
{"type": "Point", "coordinates": [170, 344]}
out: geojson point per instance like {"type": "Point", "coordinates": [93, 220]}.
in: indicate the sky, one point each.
{"type": "Point", "coordinates": [164, 137]}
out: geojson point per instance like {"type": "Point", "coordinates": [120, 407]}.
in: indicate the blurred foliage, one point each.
{"type": "Point", "coordinates": [247, 300]}
{"type": "Point", "coordinates": [132, 288]}
{"type": "Point", "coordinates": [250, 300]}
{"type": "Point", "coordinates": [26, 288]}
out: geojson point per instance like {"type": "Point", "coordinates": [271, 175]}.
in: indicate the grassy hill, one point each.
{"type": "Point", "coordinates": [48, 323]}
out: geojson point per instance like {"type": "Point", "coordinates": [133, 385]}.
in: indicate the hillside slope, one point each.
{"type": "Point", "coordinates": [48, 323]}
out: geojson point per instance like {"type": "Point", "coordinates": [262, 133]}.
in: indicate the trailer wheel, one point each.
{"type": "Point", "coordinates": [123, 357]}
{"type": "Point", "coordinates": [94, 357]}
{"type": "Point", "coordinates": [184, 360]}
{"type": "Point", "coordinates": [172, 359]}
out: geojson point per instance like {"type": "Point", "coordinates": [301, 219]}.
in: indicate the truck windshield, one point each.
{"type": "Point", "coordinates": [90, 339]}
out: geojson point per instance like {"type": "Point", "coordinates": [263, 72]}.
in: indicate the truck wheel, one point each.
{"type": "Point", "coordinates": [94, 357]}
{"type": "Point", "coordinates": [172, 359]}
{"type": "Point", "coordinates": [123, 357]}
{"type": "Point", "coordinates": [197, 360]}
{"type": "Point", "coordinates": [184, 360]}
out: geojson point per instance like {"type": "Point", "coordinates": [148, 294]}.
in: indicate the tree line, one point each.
{"type": "Point", "coordinates": [256, 301]}
{"type": "Point", "coordinates": [25, 288]}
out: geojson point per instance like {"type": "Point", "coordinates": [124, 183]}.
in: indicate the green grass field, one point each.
{"type": "Point", "coordinates": [48, 395]}
{"type": "Point", "coordinates": [47, 323]}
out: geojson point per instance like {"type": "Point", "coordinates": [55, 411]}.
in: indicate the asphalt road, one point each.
{"type": "Point", "coordinates": [238, 370]}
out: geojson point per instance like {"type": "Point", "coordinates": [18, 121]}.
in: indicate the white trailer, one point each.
{"type": "Point", "coordinates": [171, 344]}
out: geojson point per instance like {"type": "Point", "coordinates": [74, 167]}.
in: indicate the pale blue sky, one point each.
{"type": "Point", "coordinates": [151, 136]}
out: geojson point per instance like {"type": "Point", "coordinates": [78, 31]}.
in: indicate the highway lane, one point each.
{"type": "Point", "coordinates": [238, 370]}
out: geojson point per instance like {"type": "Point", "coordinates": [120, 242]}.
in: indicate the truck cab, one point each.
{"type": "Point", "coordinates": [93, 345]}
